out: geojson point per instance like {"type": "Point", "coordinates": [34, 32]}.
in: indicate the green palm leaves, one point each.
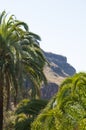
{"type": "Point", "coordinates": [20, 54]}
{"type": "Point", "coordinates": [27, 112]}
{"type": "Point", "coordinates": [67, 110]}
{"type": "Point", "coordinates": [20, 57]}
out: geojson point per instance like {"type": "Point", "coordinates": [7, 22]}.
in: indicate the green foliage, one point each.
{"type": "Point", "coordinates": [9, 120]}
{"type": "Point", "coordinates": [20, 57]}
{"type": "Point", "coordinates": [82, 124]}
{"type": "Point", "coordinates": [22, 122]}
{"type": "Point", "coordinates": [26, 113]}
{"type": "Point", "coordinates": [31, 107]}
{"type": "Point", "coordinates": [67, 109]}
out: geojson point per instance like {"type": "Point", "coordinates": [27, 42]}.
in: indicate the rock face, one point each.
{"type": "Point", "coordinates": [55, 73]}
{"type": "Point", "coordinates": [59, 64]}
{"type": "Point", "coordinates": [49, 90]}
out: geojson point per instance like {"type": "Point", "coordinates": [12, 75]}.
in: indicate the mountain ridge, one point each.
{"type": "Point", "coordinates": [55, 73]}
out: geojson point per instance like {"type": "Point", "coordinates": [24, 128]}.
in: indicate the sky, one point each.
{"type": "Point", "coordinates": [61, 24]}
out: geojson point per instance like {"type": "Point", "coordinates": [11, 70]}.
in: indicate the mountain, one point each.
{"type": "Point", "coordinates": [55, 73]}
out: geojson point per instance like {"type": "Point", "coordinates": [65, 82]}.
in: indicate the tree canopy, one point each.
{"type": "Point", "coordinates": [67, 109]}
{"type": "Point", "coordinates": [20, 57]}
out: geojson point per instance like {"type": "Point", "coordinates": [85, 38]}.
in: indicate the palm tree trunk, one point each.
{"type": "Point", "coordinates": [15, 101]}
{"type": "Point", "coordinates": [8, 92]}
{"type": "Point", "coordinates": [1, 101]}
{"type": "Point", "coordinates": [8, 99]}
{"type": "Point", "coordinates": [15, 97]}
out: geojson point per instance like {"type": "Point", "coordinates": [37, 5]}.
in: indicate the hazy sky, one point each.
{"type": "Point", "coordinates": [60, 23]}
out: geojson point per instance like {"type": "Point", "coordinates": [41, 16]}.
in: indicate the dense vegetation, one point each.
{"type": "Point", "coordinates": [27, 111]}
{"type": "Point", "coordinates": [21, 59]}
{"type": "Point", "coordinates": [21, 108]}
{"type": "Point", "coordinates": [67, 109]}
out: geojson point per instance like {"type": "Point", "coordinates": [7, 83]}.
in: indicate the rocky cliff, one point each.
{"type": "Point", "coordinates": [59, 65]}
{"type": "Point", "coordinates": [55, 73]}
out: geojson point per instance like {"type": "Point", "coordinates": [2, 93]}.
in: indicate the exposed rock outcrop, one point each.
{"type": "Point", "coordinates": [58, 70]}
{"type": "Point", "coordinates": [59, 64]}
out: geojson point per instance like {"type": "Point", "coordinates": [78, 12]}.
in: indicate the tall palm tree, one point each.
{"type": "Point", "coordinates": [20, 56]}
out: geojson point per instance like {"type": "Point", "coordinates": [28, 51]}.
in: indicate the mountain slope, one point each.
{"type": "Point", "coordinates": [58, 70]}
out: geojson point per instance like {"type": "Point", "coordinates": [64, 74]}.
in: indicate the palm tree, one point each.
{"type": "Point", "coordinates": [33, 63]}
{"type": "Point", "coordinates": [27, 111]}
{"type": "Point", "coordinates": [67, 109]}
{"type": "Point", "coordinates": [20, 56]}
{"type": "Point", "coordinates": [1, 99]}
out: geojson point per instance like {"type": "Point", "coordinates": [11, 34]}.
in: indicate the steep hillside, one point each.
{"type": "Point", "coordinates": [58, 70]}
{"type": "Point", "coordinates": [59, 65]}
